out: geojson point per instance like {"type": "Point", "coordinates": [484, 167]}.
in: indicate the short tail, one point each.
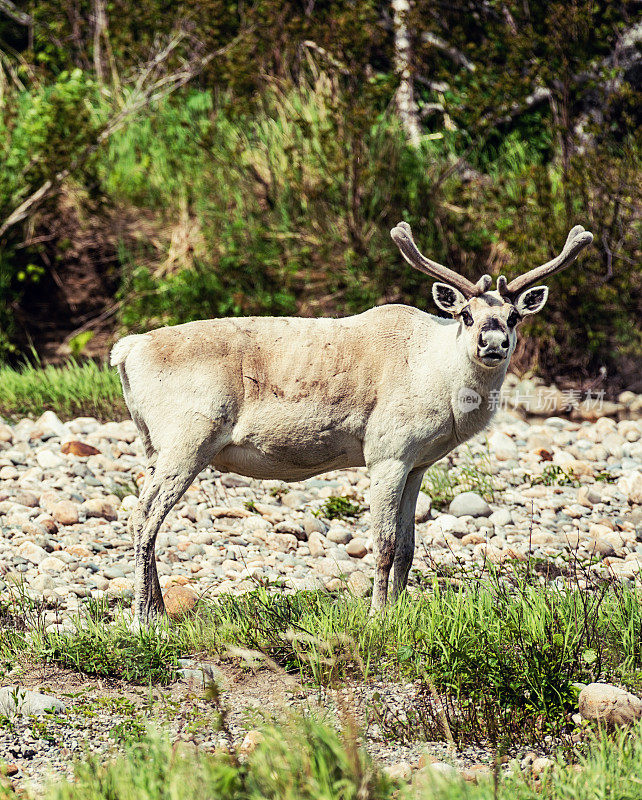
{"type": "Point", "coordinates": [123, 348]}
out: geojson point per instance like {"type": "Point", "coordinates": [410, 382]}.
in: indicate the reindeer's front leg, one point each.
{"type": "Point", "coordinates": [405, 549]}
{"type": "Point", "coordinates": [387, 482]}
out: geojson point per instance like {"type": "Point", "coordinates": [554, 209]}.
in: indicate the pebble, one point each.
{"type": "Point", "coordinates": [317, 544]}
{"type": "Point", "coordinates": [469, 504]}
{"type": "Point", "coordinates": [359, 584]}
{"type": "Point", "coordinates": [500, 517]}
{"type": "Point", "coordinates": [400, 772]}
{"type": "Point", "coordinates": [338, 534]}
{"type": "Point", "coordinates": [65, 512]}
{"type": "Point", "coordinates": [179, 601]}
{"type": "Point", "coordinates": [32, 552]}
{"type": "Point", "coordinates": [97, 507]}
{"type": "Point", "coordinates": [356, 548]}
{"type": "Point", "coordinates": [250, 742]}
{"type": "Point", "coordinates": [502, 446]}
{"type": "Point", "coordinates": [49, 460]}
{"type": "Point", "coordinates": [423, 508]}
{"type": "Point", "coordinates": [540, 766]}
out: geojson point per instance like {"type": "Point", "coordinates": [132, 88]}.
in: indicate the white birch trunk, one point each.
{"type": "Point", "coordinates": [405, 98]}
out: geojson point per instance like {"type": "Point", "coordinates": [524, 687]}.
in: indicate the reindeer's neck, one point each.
{"type": "Point", "coordinates": [475, 396]}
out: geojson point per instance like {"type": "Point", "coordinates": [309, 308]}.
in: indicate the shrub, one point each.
{"type": "Point", "coordinates": [42, 130]}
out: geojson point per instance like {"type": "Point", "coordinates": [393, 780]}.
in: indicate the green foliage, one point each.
{"type": "Point", "coordinates": [503, 651]}
{"type": "Point", "coordinates": [128, 732]}
{"type": "Point", "coordinates": [71, 390]}
{"type": "Point", "coordinates": [504, 654]}
{"type": "Point", "coordinates": [554, 475]}
{"type": "Point", "coordinates": [605, 477]}
{"type": "Point", "coordinates": [308, 759]}
{"type": "Point", "coordinates": [590, 317]}
{"type": "Point", "coordinates": [269, 184]}
{"type": "Point", "coordinates": [42, 130]}
{"type": "Point", "coordinates": [340, 508]}
{"type": "Point", "coordinates": [290, 204]}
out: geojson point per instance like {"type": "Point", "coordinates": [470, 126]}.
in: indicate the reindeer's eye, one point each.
{"type": "Point", "coordinates": [513, 319]}
{"type": "Point", "coordinates": [467, 317]}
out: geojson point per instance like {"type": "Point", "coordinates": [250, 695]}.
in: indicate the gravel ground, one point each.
{"type": "Point", "coordinates": [68, 489]}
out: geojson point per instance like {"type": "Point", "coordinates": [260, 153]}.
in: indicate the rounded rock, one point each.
{"type": "Point", "coordinates": [65, 512]}
{"type": "Point", "coordinates": [99, 508]}
{"type": "Point", "coordinates": [609, 704]}
{"type": "Point", "coordinates": [401, 772]}
{"type": "Point", "coordinates": [540, 766]}
{"type": "Point", "coordinates": [179, 601]}
{"type": "Point", "coordinates": [317, 544]}
{"type": "Point", "coordinates": [49, 460]}
{"type": "Point", "coordinates": [32, 552]}
{"type": "Point", "coordinates": [338, 535]}
{"type": "Point", "coordinates": [502, 446]}
{"type": "Point", "coordinates": [250, 742]}
{"type": "Point", "coordinates": [469, 504]}
{"type": "Point", "coordinates": [359, 584]}
{"type": "Point", "coordinates": [356, 548]}
{"type": "Point", "coordinates": [423, 507]}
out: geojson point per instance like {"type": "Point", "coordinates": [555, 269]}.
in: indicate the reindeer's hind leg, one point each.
{"type": "Point", "coordinates": [175, 468]}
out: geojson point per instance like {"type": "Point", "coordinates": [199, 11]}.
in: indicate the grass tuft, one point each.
{"type": "Point", "coordinates": [340, 508]}
{"type": "Point", "coordinates": [149, 655]}
{"type": "Point", "coordinates": [554, 475]}
{"type": "Point", "coordinates": [497, 656]}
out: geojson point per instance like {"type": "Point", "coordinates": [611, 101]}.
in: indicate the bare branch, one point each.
{"type": "Point", "coordinates": [15, 14]}
{"type": "Point", "coordinates": [452, 52]}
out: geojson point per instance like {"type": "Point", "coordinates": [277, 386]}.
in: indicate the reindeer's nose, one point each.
{"type": "Point", "coordinates": [494, 340]}
{"type": "Point", "coordinates": [493, 345]}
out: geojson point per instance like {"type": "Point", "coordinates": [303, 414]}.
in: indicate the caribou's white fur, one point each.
{"type": "Point", "coordinates": [290, 398]}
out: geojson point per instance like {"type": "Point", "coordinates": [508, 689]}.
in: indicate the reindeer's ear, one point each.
{"type": "Point", "coordinates": [532, 300]}
{"type": "Point", "coordinates": [447, 298]}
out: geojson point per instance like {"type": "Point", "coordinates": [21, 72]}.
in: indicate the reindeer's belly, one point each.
{"type": "Point", "coordinates": [291, 442]}
{"type": "Point", "coordinates": [287, 463]}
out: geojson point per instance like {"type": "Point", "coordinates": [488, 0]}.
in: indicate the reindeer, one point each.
{"type": "Point", "coordinates": [393, 389]}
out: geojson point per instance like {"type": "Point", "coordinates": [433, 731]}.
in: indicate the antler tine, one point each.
{"type": "Point", "coordinates": [402, 237]}
{"type": "Point", "coordinates": [577, 239]}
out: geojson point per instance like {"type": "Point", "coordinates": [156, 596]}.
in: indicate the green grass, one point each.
{"type": "Point", "coordinates": [504, 653]}
{"type": "Point", "coordinates": [308, 759]}
{"type": "Point", "coordinates": [303, 759]}
{"type": "Point", "coordinates": [97, 649]}
{"type": "Point", "coordinates": [72, 390]}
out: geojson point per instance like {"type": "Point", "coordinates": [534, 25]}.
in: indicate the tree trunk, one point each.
{"type": "Point", "coordinates": [100, 24]}
{"type": "Point", "coordinates": [405, 98]}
